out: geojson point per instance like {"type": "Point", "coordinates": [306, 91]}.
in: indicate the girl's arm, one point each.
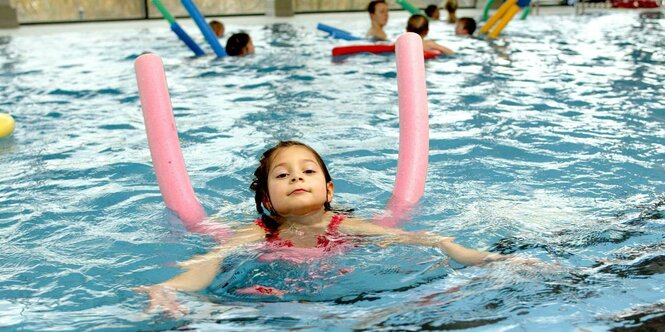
{"type": "Point", "coordinates": [200, 271]}
{"type": "Point", "coordinates": [459, 253]}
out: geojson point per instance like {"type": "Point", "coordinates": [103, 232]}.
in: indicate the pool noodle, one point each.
{"type": "Point", "coordinates": [410, 8]}
{"type": "Point", "coordinates": [179, 31]}
{"type": "Point", "coordinates": [526, 12]}
{"type": "Point", "coordinates": [162, 9]}
{"type": "Point", "coordinates": [175, 27]}
{"type": "Point", "coordinates": [413, 131]}
{"type": "Point", "coordinates": [505, 19]}
{"type": "Point", "coordinates": [499, 13]}
{"type": "Point", "coordinates": [165, 151]}
{"type": "Point", "coordinates": [486, 10]}
{"type": "Point", "coordinates": [353, 49]}
{"type": "Point", "coordinates": [195, 14]}
{"type": "Point", "coordinates": [337, 33]}
{"type": "Point", "coordinates": [375, 49]}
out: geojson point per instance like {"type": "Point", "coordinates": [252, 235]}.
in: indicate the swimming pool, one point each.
{"type": "Point", "coordinates": [546, 143]}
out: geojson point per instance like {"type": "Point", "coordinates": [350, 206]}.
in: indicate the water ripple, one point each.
{"type": "Point", "coordinates": [545, 143]}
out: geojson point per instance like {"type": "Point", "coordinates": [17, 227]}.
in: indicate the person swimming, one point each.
{"type": "Point", "coordinates": [378, 15]}
{"type": "Point", "coordinates": [293, 191]}
{"type": "Point", "coordinates": [239, 44]}
{"type": "Point", "coordinates": [419, 24]}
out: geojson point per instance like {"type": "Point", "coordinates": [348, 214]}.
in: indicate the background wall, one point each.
{"type": "Point", "coordinates": [43, 11]}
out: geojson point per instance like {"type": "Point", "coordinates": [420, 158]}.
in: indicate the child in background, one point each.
{"type": "Point", "coordinates": [433, 12]}
{"type": "Point", "coordinates": [293, 186]}
{"type": "Point", "coordinates": [465, 26]}
{"type": "Point", "coordinates": [451, 8]}
{"type": "Point", "coordinates": [217, 28]}
{"type": "Point", "coordinates": [420, 24]}
{"type": "Point", "coordinates": [239, 44]}
{"type": "Point", "coordinates": [378, 14]}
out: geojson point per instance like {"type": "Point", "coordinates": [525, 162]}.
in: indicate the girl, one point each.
{"type": "Point", "coordinates": [293, 191]}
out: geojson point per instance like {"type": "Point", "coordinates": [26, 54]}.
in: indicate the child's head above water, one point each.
{"type": "Point", "coordinates": [217, 28]}
{"type": "Point", "coordinates": [239, 44]}
{"type": "Point", "coordinates": [451, 7]}
{"type": "Point", "coordinates": [378, 11]}
{"type": "Point", "coordinates": [291, 180]}
{"type": "Point", "coordinates": [378, 15]}
{"type": "Point", "coordinates": [433, 12]}
{"type": "Point", "coordinates": [465, 26]}
{"type": "Point", "coordinates": [418, 24]}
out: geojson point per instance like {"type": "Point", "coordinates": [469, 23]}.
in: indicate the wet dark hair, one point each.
{"type": "Point", "coordinates": [418, 24]}
{"type": "Point", "coordinates": [451, 6]}
{"type": "Point", "coordinates": [371, 8]}
{"type": "Point", "coordinates": [260, 182]}
{"type": "Point", "coordinates": [236, 43]}
{"type": "Point", "coordinates": [430, 10]}
{"type": "Point", "coordinates": [468, 24]}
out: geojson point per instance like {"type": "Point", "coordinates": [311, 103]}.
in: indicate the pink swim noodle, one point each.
{"type": "Point", "coordinates": [165, 149]}
{"type": "Point", "coordinates": [413, 131]}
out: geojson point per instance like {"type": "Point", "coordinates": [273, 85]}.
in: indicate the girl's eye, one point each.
{"type": "Point", "coordinates": [281, 175]}
{"type": "Point", "coordinates": [310, 171]}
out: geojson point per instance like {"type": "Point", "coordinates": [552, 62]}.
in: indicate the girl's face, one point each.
{"type": "Point", "coordinates": [380, 15]}
{"type": "Point", "coordinates": [296, 183]}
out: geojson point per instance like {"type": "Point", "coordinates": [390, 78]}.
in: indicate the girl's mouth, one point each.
{"type": "Point", "coordinates": [298, 191]}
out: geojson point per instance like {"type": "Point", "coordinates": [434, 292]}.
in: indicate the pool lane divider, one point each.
{"type": "Point", "coordinates": [207, 32]}
{"type": "Point", "coordinates": [177, 29]}
{"type": "Point", "coordinates": [413, 132]}
{"type": "Point", "coordinates": [167, 159]}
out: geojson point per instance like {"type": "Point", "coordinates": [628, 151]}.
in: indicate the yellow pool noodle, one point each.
{"type": "Point", "coordinates": [504, 21]}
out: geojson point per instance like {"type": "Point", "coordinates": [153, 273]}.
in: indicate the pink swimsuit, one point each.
{"type": "Point", "coordinates": [279, 249]}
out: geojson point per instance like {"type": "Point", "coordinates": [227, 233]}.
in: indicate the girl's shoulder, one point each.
{"type": "Point", "coordinates": [336, 220]}
{"type": "Point", "coordinates": [348, 224]}
{"type": "Point", "coordinates": [357, 226]}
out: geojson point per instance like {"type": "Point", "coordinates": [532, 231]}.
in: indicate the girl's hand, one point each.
{"type": "Point", "coordinates": [163, 298]}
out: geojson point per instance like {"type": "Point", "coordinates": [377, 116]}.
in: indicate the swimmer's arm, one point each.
{"type": "Point", "coordinates": [459, 253]}
{"type": "Point", "coordinates": [201, 270]}
{"type": "Point", "coordinates": [430, 45]}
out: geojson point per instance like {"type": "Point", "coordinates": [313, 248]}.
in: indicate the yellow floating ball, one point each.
{"type": "Point", "coordinates": [6, 125]}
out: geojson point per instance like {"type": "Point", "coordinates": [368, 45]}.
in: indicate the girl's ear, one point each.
{"type": "Point", "coordinates": [330, 189]}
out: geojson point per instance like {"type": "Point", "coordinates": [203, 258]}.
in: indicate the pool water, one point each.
{"type": "Point", "coordinates": [546, 143]}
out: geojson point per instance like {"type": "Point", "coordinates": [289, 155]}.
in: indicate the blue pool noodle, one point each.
{"type": "Point", "coordinates": [177, 29]}
{"type": "Point", "coordinates": [195, 14]}
{"type": "Point", "coordinates": [337, 33]}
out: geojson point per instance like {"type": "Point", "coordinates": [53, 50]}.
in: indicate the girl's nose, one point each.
{"type": "Point", "coordinates": [296, 178]}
